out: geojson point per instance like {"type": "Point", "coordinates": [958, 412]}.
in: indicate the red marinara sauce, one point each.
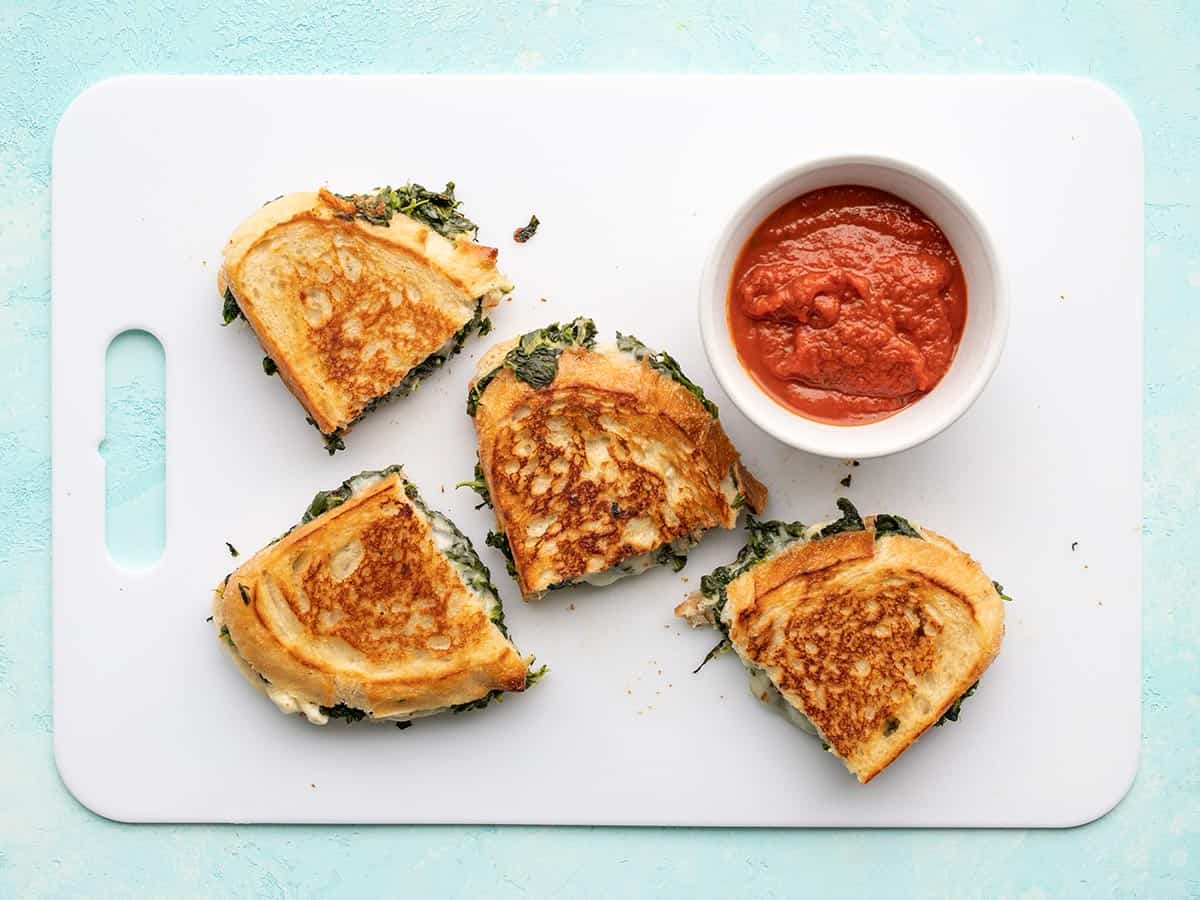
{"type": "Point", "coordinates": [847, 304]}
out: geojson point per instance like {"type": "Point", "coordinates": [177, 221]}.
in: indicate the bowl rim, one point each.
{"type": "Point", "coordinates": [846, 441]}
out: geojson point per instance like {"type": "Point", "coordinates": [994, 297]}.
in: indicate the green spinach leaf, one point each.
{"type": "Point", "coordinates": [479, 485]}
{"type": "Point", "coordinates": [667, 556]}
{"type": "Point", "coordinates": [951, 715]}
{"type": "Point", "coordinates": [665, 363]}
{"type": "Point", "coordinates": [342, 711]}
{"type": "Point", "coordinates": [886, 524]}
{"type": "Point", "coordinates": [534, 358]}
{"type": "Point", "coordinates": [523, 234]}
{"type": "Point", "coordinates": [437, 209]}
{"type": "Point", "coordinates": [850, 521]}
{"type": "Point", "coordinates": [230, 310]}
{"type": "Point", "coordinates": [500, 542]}
{"type": "Point", "coordinates": [724, 646]}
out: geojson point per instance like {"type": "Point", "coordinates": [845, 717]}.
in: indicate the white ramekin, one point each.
{"type": "Point", "coordinates": [983, 335]}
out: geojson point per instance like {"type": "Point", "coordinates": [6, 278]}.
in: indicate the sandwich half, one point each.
{"type": "Point", "coordinates": [373, 607]}
{"type": "Point", "coordinates": [863, 632]}
{"type": "Point", "coordinates": [599, 462]}
{"type": "Point", "coordinates": [357, 299]}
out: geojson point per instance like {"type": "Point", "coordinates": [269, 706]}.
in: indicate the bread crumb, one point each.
{"type": "Point", "coordinates": [571, 607]}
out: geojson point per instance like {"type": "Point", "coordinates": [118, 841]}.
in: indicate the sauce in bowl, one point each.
{"type": "Point", "coordinates": [847, 304]}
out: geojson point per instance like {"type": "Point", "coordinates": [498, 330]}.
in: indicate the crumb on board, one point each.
{"type": "Point", "coordinates": [571, 607]}
{"type": "Point", "coordinates": [845, 482]}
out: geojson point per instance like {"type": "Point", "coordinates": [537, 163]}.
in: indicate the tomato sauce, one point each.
{"type": "Point", "coordinates": [847, 304]}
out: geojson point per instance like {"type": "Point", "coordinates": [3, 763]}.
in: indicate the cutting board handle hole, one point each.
{"type": "Point", "coordinates": [134, 449]}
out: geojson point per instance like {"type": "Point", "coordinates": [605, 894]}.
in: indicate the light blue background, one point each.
{"type": "Point", "coordinates": [1147, 847]}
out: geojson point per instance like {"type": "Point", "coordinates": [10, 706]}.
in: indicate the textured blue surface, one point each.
{"type": "Point", "coordinates": [1147, 847]}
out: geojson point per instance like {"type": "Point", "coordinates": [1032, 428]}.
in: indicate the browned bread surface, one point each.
{"type": "Point", "coordinates": [359, 607]}
{"type": "Point", "coordinates": [346, 308]}
{"type": "Point", "coordinates": [609, 461]}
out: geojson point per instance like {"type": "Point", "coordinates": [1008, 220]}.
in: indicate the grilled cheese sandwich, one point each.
{"type": "Point", "coordinates": [599, 461]}
{"type": "Point", "coordinates": [374, 607]}
{"type": "Point", "coordinates": [356, 299]}
{"type": "Point", "coordinates": [863, 632]}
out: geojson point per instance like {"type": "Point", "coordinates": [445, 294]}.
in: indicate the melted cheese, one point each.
{"type": "Point", "coordinates": [764, 689]}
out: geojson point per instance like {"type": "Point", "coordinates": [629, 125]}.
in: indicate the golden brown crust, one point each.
{"type": "Point", "coordinates": [359, 607]}
{"type": "Point", "coordinates": [872, 639]}
{"type": "Point", "coordinates": [346, 308]}
{"type": "Point", "coordinates": [611, 460]}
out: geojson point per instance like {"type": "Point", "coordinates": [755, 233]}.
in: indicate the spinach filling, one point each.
{"type": "Point", "coordinates": [437, 209]}
{"type": "Point", "coordinates": [665, 363]}
{"type": "Point", "coordinates": [850, 521]}
{"type": "Point", "coordinates": [342, 711]}
{"type": "Point", "coordinates": [531, 678]}
{"type": "Point", "coordinates": [499, 540]}
{"type": "Point", "coordinates": [479, 485]}
{"type": "Point", "coordinates": [951, 715]}
{"type": "Point", "coordinates": [230, 309]}
{"type": "Point", "coordinates": [886, 524]}
{"type": "Point", "coordinates": [525, 232]}
{"type": "Point", "coordinates": [534, 358]}
{"type": "Point", "coordinates": [766, 539]}
{"type": "Point", "coordinates": [667, 555]}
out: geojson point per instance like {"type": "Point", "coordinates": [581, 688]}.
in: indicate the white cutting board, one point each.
{"type": "Point", "coordinates": [631, 177]}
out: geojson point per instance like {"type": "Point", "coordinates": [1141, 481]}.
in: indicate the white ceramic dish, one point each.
{"type": "Point", "coordinates": [983, 335]}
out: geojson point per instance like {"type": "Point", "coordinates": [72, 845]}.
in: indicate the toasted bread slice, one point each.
{"type": "Point", "coordinates": [356, 300]}
{"type": "Point", "coordinates": [599, 462]}
{"type": "Point", "coordinates": [374, 607]}
{"type": "Point", "coordinates": [864, 632]}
